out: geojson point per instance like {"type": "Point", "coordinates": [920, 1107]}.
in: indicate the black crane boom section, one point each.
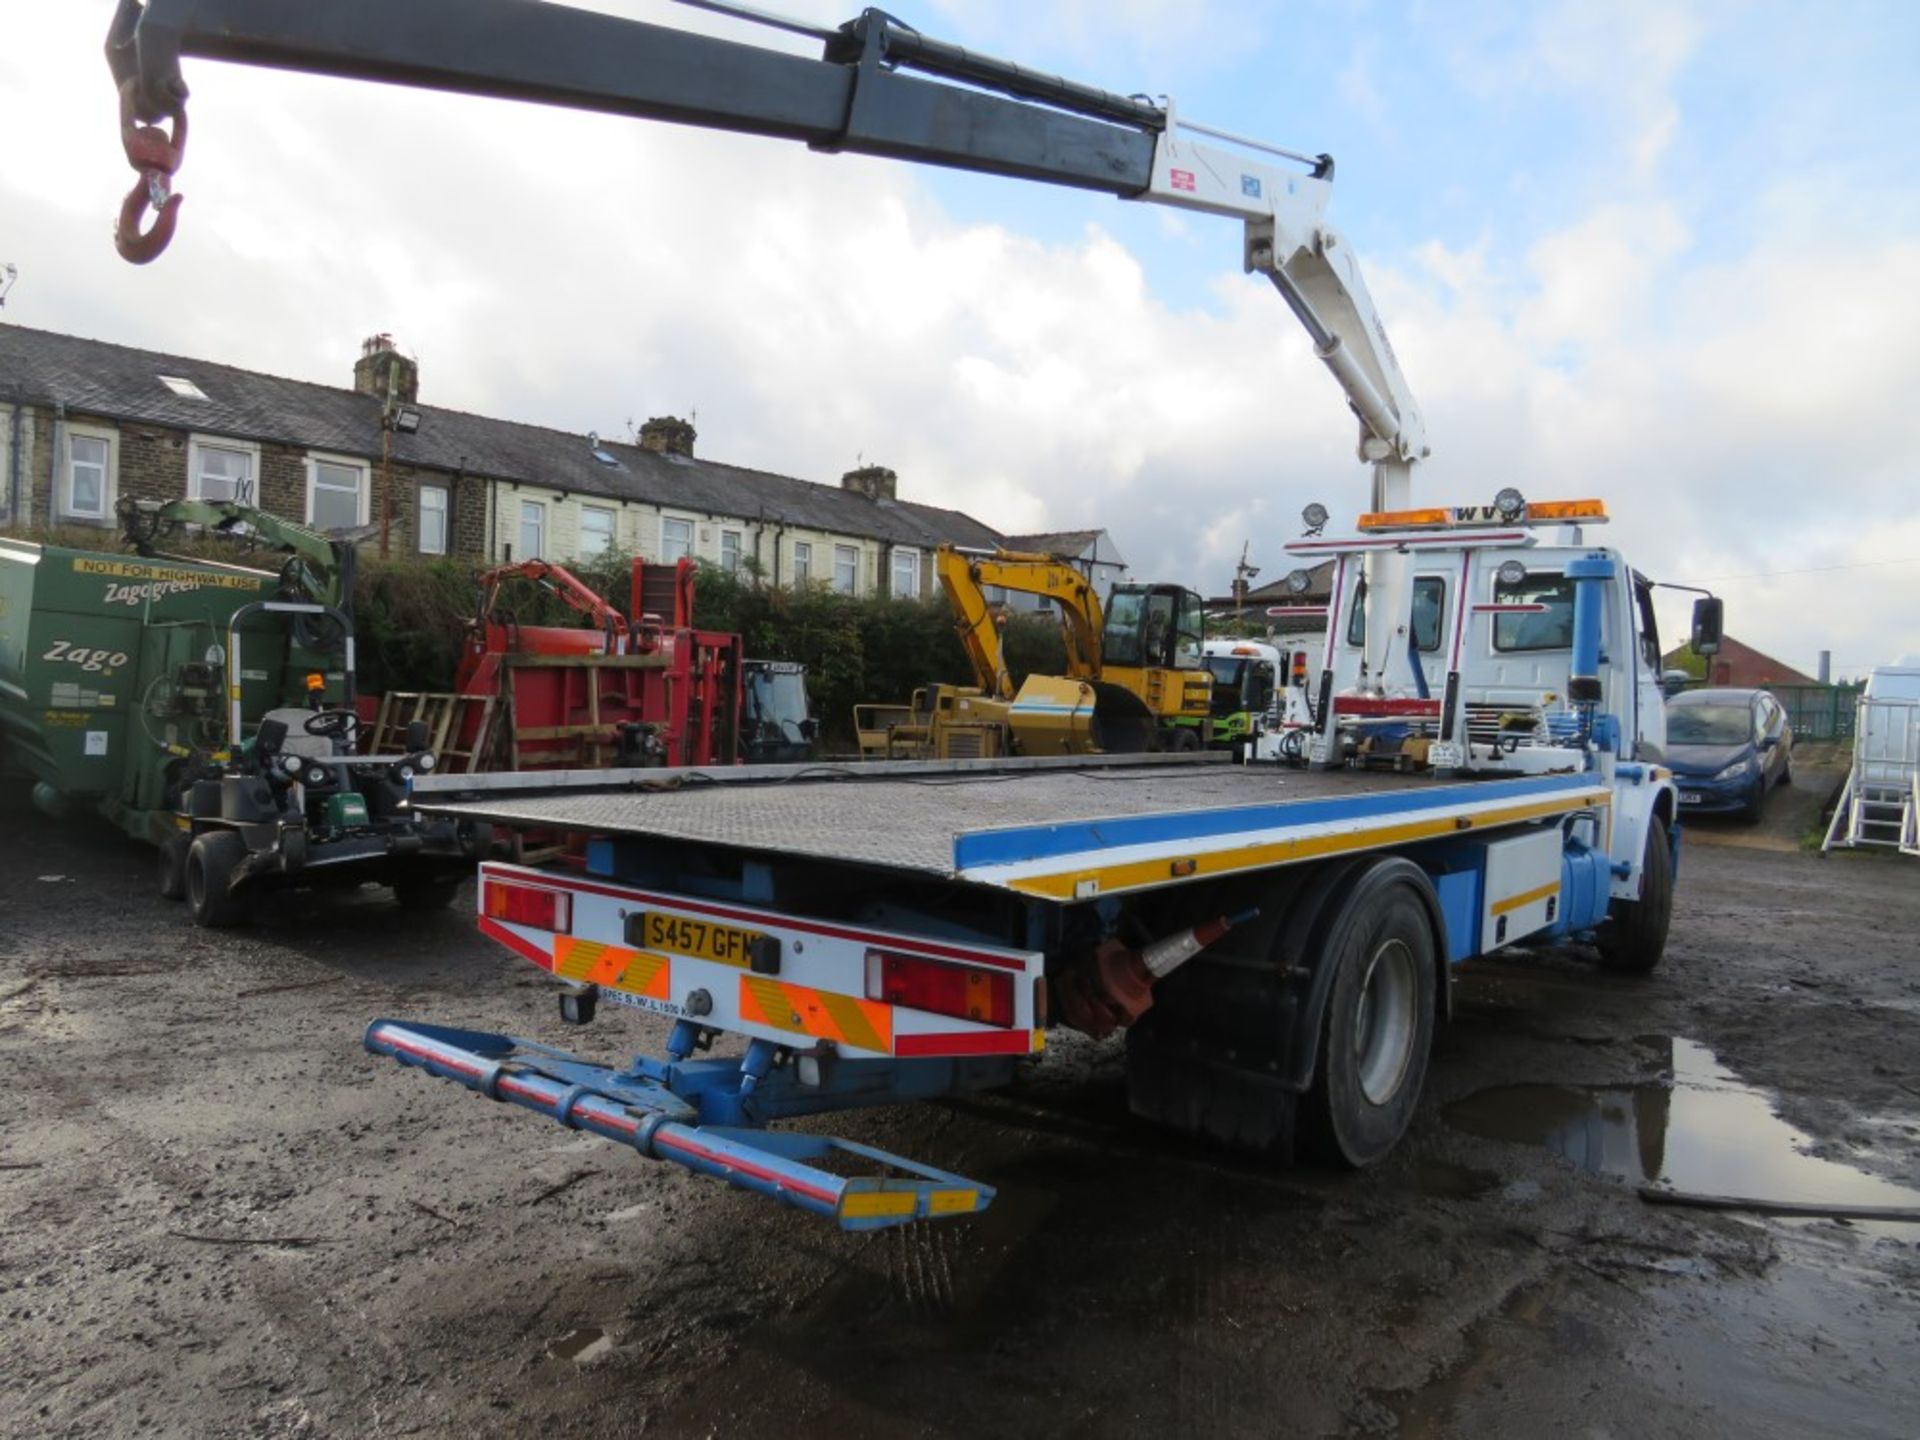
{"type": "Point", "coordinates": [855, 98]}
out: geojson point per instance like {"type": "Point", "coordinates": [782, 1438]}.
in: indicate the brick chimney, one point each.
{"type": "Point", "coordinates": [668, 435]}
{"type": "Point", "coordinates": [379, 365]}
{"type": "Point", "coordinates": [876, 482]}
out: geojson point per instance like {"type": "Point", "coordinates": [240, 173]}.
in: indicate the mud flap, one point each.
{"type": "Point", "coordinates": [624, 1106]}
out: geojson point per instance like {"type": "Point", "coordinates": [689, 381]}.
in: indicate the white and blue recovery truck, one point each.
{"type": "Point", "coordinates": [1276, 940]}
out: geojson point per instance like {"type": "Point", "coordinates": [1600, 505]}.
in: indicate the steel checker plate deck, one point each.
{"type": "Point", "coordinates": [1047, 833]}
{"type": "Point", "coordinates": [819, 993]}
{"type": "Point", "coordinates": [915, 823]}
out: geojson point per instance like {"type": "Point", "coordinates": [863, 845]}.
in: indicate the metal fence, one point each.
{"type": "Point", "coordinates": [1816, 712]}
{"type": "Point", "coordinates": [1819, 712]}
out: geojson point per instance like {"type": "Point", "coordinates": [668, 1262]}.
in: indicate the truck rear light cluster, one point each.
{"type": "Point", "coordinates": [530, 905]}
{"type": "Point", "coordinates": [963, 991]}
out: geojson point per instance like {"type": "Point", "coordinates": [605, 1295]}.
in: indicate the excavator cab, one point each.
{"type": "Point", "coordinates": [1153, 627]}
{"type": "Point", "coordinates": [1151, 649]}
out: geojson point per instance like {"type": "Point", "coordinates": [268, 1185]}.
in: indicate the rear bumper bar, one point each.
{"type": "Point", "coordinates": [629, 1108]}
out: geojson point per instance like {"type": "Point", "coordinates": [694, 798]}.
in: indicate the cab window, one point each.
{"type": "Point", "coordinates": [1550, 628]}
{"type": "Point", "coordinates": [1429, 604]}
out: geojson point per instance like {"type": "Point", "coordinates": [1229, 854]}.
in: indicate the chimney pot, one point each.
{"type": "Point", "coordinates": [668, 435]}
{"type": "Point", "coordinates": [876, 482]}
{"type": "Point", "coordinates": [383, 372]}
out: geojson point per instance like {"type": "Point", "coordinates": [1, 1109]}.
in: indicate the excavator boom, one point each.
{"type": "Point", "coordinates": [967, 575]}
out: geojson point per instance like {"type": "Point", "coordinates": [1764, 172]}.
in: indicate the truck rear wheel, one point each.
{"type": "Point", "coordinates": [1377, 1031]}
{"type": "Point", "coordinates": [211, 861]}
{"type": "Point", "coordinates": [1635, 935]}
{"type": "Point", "coordinates": [171, 867]}
{"type": "Point", "coordinates": [1317, 1045]}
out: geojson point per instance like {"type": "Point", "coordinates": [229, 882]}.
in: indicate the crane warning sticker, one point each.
{"type": "Point", "coordinates": [96, 742]}
{"type": "Point", "coordinates": [1184, 180]}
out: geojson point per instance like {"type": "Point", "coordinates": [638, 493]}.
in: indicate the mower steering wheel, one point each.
{"type": "Point", "coordinates": [332, 724]}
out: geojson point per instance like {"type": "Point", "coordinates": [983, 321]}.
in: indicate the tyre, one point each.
{"type": "Point", "coordinates": [1635, 934]}
{"type": "Point", "coordinates": [1377, 1030]}
{"type": "Point", "coordinates": [171, 866]}
{"type": "Point", "coordinates": [422, 893]}
{"type": "Point", "coordinates": [211, 861]}
{"type": "Point", "coordinates": [1183, 739]}
{"type": "Point", "coordinates": [1750, 812]}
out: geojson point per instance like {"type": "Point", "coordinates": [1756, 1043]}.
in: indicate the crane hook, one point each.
{"type": "Point", "coordinates": [156, 155]}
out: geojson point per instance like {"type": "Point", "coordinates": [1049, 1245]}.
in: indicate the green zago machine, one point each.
{"type": "Point", "coordinates": [208, 709]}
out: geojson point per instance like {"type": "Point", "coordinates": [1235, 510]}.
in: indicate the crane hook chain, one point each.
{"type": "Point", "coordinates": [156, 155]}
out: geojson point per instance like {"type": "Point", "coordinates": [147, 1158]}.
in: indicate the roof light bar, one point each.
{"type": "Point", "coordinates": [1479, 517]}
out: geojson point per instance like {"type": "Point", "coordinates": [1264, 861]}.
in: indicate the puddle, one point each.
{"type": "Point", "coordinates": [582, 1346]}
{"type": "Point", "coordinates": [1706, 1132]}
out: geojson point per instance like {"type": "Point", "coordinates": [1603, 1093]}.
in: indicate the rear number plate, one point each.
{"type": "Point", "coordinates": [696, 939]}
{"type": "Point", "coordinates": [1687, 797]}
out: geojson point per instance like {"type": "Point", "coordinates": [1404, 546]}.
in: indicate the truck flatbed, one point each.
{"type": "Point", "coordinates": [1060, 829]}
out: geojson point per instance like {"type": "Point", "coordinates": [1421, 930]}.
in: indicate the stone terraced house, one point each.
{"type": "Point", "coordinates": [85, 423]}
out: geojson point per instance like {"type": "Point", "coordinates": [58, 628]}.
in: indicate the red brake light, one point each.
{"type": "Point", "coordinates": [528, 905]}
{"type": "Point", "coordinates": [962, 991]}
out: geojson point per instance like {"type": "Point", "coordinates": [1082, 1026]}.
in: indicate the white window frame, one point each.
{"type": "Point", "coordinates": [445, 492]}
{"type": "Point", "coordinates": [612, 513]}
{"type": "Point", "coordinates": [802, 562]}
{"type": "Point", "coordinates": [839, 552]}
{"type": "Point", "coordinates": [520, 549]}
{"type": "Point", "coordinates": [363, 494]}
{"type": "Point", "coordinates": [63, 506]}
{"type": "Point", "coordinates": [196, 444]}
{"type": "Point", "coordinates": [667, 557]}
{"type": "Point", "coordinates": [739, 538]}
{"type": "Point", "coordinates": [911, 557]}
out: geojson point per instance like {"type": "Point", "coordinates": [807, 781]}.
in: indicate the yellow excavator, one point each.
{"type": "Point", "coordinates": [1133, 667]}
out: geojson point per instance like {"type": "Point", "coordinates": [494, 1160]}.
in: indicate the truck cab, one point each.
{"type": "Point", "coordinates": [1479, 673]}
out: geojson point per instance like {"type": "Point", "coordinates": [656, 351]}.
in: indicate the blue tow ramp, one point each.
{"type": "Point", "coordinates": [634, 1110]}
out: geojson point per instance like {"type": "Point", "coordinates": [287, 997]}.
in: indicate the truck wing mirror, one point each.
{"type": "Point", "coordinates": [1706, 625]}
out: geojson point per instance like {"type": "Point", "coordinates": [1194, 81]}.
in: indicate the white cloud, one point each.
{"type": "Point", "coordinates": [1738, 414]}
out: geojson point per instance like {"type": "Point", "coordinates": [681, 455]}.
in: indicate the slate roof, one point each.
{"type": "Point", "coordinates": [1055, 542]}
{"type": "Point", "coordinates": [122, 383]}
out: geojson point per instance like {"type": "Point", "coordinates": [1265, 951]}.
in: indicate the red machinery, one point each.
{"type": "Point", "coordinates": [652, 690]}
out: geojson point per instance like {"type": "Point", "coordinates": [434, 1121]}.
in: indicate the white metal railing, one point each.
{"type": "Point", "coordinates": [1881, 802]}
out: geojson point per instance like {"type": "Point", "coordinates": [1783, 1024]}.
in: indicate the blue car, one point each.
{"type": "Point", "coordinates": [1727, 750]}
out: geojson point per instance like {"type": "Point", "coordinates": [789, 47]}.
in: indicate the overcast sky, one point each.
{"type": "Point", "coordinates": [1666, 253]}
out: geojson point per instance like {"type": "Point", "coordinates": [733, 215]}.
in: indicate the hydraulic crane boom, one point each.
{"type": "Point", "coordinates": [970, 112]}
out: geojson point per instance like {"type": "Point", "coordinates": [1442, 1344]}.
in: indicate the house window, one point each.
{"type": "Point", "coordinates": [846, 569]}
{"type": "Point", "coordinates": [183, 387]}
{"type": "Point", "coordinates": [433, 519]}
{"type": "Point", "coordinates": [730, 551]}
{"type": "Point", "coordinates": [906, 573]}
{"type": "Point", "coordinates": [88, 478]}
{"type": "Point", "coordinates": [337, 493]}
{"type": "Point", "coordinates": [533, 530]}
{"type": "Point", "coordinates": [802, 562]}
{"type": "Point", "coordinates": [676, 539]}
{"type": "Point", "coordinates": [223, 470]}
{"type": "Point", "coordinates": [596, 530]}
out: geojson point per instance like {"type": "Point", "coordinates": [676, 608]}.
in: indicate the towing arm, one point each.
{"type": "Point", "coordinates": [317, 568]}
{"type": "Point", "coordinates": [966, 576]}
{"type": "Point", "coordinates": [879, 88]}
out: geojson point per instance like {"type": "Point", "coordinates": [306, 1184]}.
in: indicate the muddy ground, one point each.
{"type": "Point", "coordinates": [219, 1217]}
